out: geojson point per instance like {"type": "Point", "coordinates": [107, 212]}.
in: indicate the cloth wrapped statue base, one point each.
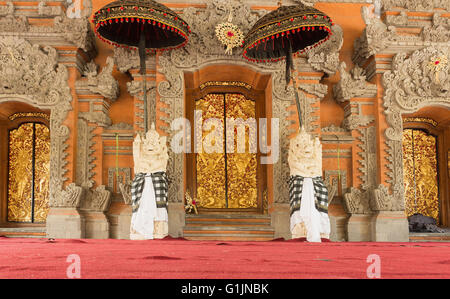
{"type": "Point", "coordinates": [308, 195]}
{"type": "Point", "coordinates": [149, 188]}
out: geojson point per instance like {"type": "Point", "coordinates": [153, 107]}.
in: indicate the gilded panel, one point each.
{"type": "Point", "coordinates": [41, 173]}
{"type": "Point", "coordinates": [420, 173]}
{"type": "Point", "coordinates": [211, 166]}
{"type": "Point", "coordinates": [241, 166]}
{"type": "Point", "coordinates": [20, 173]}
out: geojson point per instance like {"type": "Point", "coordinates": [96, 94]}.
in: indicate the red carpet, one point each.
{"type": "Point", "coordinates": [178, 258]}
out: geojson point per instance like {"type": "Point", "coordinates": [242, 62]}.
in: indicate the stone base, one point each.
{"type": "Point", "coordinates": [338, 223]}
{"type": "Point", "coordinates": [359, 228]}
{"type": "Point", "coordinates": [65, 223]}
{"type": "Point", "coordinates": [119, 216]}
{"type": "Point", "coordinates": [97, 225]}
{"type": "Point", "coordinates": [390, 226]}
{"type": "Point", "coordinates": [280, 215]}
{"type": "Point", "coordinates": [177, 217]}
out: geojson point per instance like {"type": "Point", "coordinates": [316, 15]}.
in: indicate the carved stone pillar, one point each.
{"type": "Point", "coordinates": [359, 224]}
{"type": "Point", "coordinates": [95, 205]}
{"type": "Point", "coordinates": [64, 220]}
{"type": "Point", "coordinates": [177, 218]}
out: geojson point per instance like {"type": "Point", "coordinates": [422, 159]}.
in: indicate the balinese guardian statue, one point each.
{"type": "Point", "coordinates": [308, 195]}
{"type": "Point", "coordinates": [150, 186]}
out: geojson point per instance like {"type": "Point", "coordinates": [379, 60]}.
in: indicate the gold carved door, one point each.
{"type": "Point", "coordinates": [420, 173]}
{"type": "Point", "coordinates": [28, 173]}
{"type": "Point", "coordinates": [227, 179]}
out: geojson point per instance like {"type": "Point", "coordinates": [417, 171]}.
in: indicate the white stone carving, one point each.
{"type": "Point", "coordinates": [305, 155]}
{"type": "Point", "coordinates": [150, 153]}
{"type": "Point", "coordinates": [353, 84]}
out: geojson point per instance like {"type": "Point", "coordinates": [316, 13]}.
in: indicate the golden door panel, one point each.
{"type": "Point", "coordinates": [21, 177]}
{"type": "Point", "coordinates": [41, 173]}
{"type": "Point", "coordinates": [420, 173]}
{"type": "Point", "coordinates": [211, 167]}
{"type": "Point", "coordinates": [227, 181]}
{"type": "Point", "coordinates": [20, 173]}
{"type": "Point", "coordinates": [241, 167]}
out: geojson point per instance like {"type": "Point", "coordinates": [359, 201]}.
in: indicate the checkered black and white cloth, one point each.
{"type": "Point", "coordinates": [295, 193]}
{"type": "Point", "coordinates": [160, 185]}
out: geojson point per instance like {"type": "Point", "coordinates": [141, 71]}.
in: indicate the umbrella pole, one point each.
{"type": "Point", "coordinates": [297, 100]}
{"type": "Point", "coordinates": [143, 73]}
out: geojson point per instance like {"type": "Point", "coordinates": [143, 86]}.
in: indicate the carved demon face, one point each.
{"type": "Point", "coordinates": [303, 146]}
{"type": "Point", "coordinates": [153, 143]}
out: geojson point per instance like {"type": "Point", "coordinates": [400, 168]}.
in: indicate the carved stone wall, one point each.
{"type": "Point", "coordinates": [420, 80]}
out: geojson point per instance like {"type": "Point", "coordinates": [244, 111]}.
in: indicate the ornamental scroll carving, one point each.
{"type": "Point", "coordinates": [417, 81]}
{"type": "Point", "coordinates": [31, 74]}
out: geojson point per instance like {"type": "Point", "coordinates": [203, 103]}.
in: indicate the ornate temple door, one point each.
{"type": "Point", "coordinates": [28, 173]}
{"type": "Point", "coordinates": [420, 173]}
{"type": "Point", "coordinates": [228, 179]}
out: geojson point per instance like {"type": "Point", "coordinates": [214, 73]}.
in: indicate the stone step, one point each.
{"type": "Point", "coordinates": [23, 232]}
{"type": "Point", "coordinates": [228, 227]}
{"type": "Point", "coordinates": [429, 237]}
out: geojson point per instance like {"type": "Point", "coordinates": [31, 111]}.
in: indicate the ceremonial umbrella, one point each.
{"type": "Point", "coordinates": [284, 32]}
{"type": "Point", "coordinates": [143, 25]}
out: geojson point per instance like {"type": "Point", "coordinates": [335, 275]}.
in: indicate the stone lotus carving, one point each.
{"type": "Point", "coordinates": [103, 83]}
{"type": "Point", "coordinates": [150, 153]}
{"type": "Point", "coordinates": [305, 155]}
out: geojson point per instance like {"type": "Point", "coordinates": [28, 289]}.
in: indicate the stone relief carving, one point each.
{"type": "Point", "coordinates": [125, 190]}
{"type": "Point", "coordinates": [368, 157]}
{"type": "Point", "coordinates": [45, 10]}
{"type": "Point", "coordinates": [325, 57]}
{"type": "Point", "coordinates": [375, 36]}
{"type": "Point", "coordinates": [122, 175]}
{"type": "Point", "coordinates": [120, 126]}
{"type": "Point", "coordinates": [70, 197]}
{"type": "Point", "coordinates": [97, 200]}
{"type": "Point", "coordinates": [31, 74]}
{"type": "Point", "coordinates": [416, 5]}
{"type": "Point", "coordinates": [417, 81]}
{"type": "Point", "coordinates": [383, 201]}
{"type": "Point", "coordinates": [353, 84]}
{"type": "Point", "coordinates": [98, 114]}
{"type": "Point", "coordinates": [354, 118]}
{"type": "Point", "coordinates": [75, 30]}
{"type": "Point", "coordinates": [357, 202]}
{"type": "Point", "coordinates": [103, 83]}
{"type": "Point", "coordinates": [85, 159]}
{"type": "Point", "coordinates": [7, 9]}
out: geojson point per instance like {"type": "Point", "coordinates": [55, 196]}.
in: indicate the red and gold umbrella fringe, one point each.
{"type": "Point", "coordinates": [160, 24]}
{"type": "Point", "coordinates": [286, 33]}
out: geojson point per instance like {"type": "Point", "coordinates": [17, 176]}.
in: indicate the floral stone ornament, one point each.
{"type": "Point", "coordinates": [229, 34]}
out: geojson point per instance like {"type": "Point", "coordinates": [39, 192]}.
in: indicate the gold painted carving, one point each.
{"type": "Point", "coordinates": [20, 179]}
{"type": "Point", "coordinates": [225, 83]}
{"type": "Point", "coordinates": [29, 114]}
{"type": "Point", "coordinates": [420, 173]}
{"type": "Point", "coordinates": [421, 120]}
{"type": "Point", "coordinates": [227, 182]}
